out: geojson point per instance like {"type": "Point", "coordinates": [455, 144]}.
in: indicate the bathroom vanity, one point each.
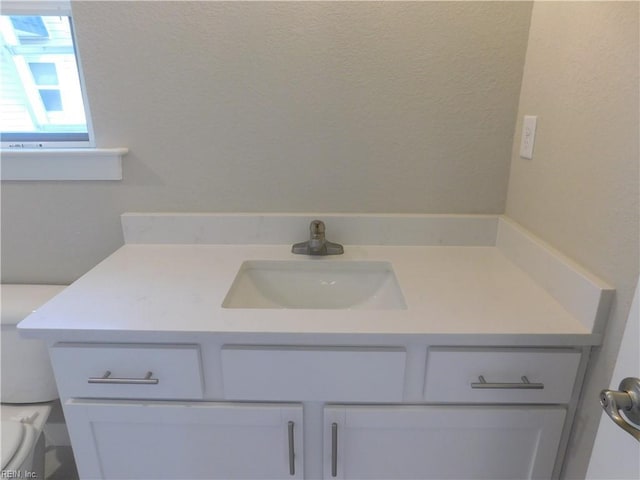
{"type": "Point", "coordinates": [454, 347]}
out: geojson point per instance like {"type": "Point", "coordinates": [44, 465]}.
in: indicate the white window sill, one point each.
{"type": "Point", "coordinates": [62, 164]}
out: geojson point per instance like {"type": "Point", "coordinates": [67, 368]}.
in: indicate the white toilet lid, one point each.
{"type": "Point", "coordinates": [12, 437]}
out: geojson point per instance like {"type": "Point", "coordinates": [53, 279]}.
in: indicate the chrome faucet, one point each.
{"type": "Point", "coordinates": [317, 243]}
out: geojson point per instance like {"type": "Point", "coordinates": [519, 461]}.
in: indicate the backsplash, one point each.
{"type": "Point", "coordinates": [287, 228]}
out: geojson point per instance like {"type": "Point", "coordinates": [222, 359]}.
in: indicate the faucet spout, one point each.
{"type": "Point", "coordinates": [317, 243]}
{"type": "Point", "coordinates": [317, 229]}
{"type": "Point", "coordinates": [317, 240]}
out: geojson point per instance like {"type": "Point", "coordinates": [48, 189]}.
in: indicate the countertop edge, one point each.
{"type": "Point", "coordinates": [320, 339]}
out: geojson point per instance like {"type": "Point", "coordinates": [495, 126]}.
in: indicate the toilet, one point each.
{"type": "Point", "coordinates": [28, 385]}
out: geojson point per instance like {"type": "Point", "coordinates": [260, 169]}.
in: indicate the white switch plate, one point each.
{"type": "Point", "coordinates": [528, 136]}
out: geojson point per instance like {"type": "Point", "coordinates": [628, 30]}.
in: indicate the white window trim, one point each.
{"type": "Point", "coordinates": [24, 164]}
{"type": "Point", "coordinates": [36, 7]}
{"type": "Point", "coordinates": [62, 164]}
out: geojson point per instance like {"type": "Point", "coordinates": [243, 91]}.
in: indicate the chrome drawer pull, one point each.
{"type": "Point", "coordinates": [107, 378]}
{"type": "Point", "coordinates": [334, 449]}
{"type": "Point", "coordinates": [292, 454]}
{"type": "Point", "coordinates": [526, 384]}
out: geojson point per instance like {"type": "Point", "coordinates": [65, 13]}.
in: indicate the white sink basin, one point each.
{"type": "Point", "coordinates": [315, 284]}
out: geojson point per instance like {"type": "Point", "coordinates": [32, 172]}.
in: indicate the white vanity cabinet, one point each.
{"type": "Point", "coordinates": [474, 371]}
{"type": "Point", "coordinates": [306, 411]}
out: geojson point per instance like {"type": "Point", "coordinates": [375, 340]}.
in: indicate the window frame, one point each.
{"type": "Point", "coordinates": [75, 160]}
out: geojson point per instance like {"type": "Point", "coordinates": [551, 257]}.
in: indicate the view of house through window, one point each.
{"type": "Point", "coordinates": [41, 101]}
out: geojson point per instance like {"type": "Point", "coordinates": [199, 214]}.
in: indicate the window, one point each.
{"type": "Point", "coordinates": [41, 93]}
{"type": "Point", "coordinates": [42, 102]}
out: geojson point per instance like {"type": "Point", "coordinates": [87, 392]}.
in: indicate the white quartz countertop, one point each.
{"type": "Point", "coordinates": [468, 290]}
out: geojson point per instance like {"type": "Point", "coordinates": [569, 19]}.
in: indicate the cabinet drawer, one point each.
{"type": "Point", "coordinates": [344, 374]}
{"type": "Point", "coordinates": [468, 375]}
{"type": "Point", "coordinates": [154, 371]}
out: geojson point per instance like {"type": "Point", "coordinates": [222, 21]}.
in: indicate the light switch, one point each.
{"type": "Point", "coordinates": [528, 136]}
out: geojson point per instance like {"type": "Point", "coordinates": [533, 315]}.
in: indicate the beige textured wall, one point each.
{"type": "Point", "coordinates": [290, 107]}
{"type": "Point", "coordinates": [581, 190]}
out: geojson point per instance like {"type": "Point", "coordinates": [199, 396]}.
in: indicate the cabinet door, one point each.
{"type": "Point", "coordinates": [440, 442]}
{"type": "Point", "coordinates": [180, 440]}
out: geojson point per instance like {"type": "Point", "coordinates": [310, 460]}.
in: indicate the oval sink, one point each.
{"type": "Point", "coordinates": [315, 284]}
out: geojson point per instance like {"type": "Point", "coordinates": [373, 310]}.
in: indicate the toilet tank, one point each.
{"type": "Point", "coordinates": [26, 373]}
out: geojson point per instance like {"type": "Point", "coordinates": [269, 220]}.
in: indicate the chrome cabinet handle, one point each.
{"type": "Point", "coordinates": [525, 384]}
{"type": "Point", "coordinates": [107, 378]}
{"type": "Point", "coordinates": [627, 400]}
{"type": "Point", "coordinates": [292, 454]}
{"type": "Point", "coordinates": [334, 449]}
